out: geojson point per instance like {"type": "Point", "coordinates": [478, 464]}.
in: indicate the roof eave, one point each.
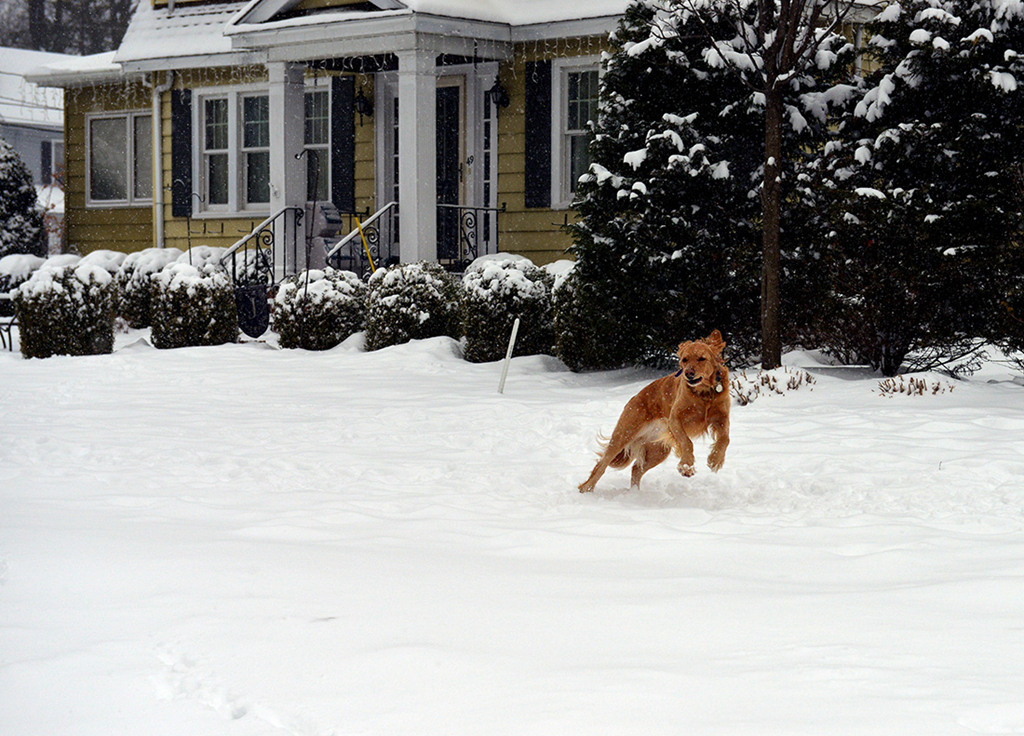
{"type": "Point", "coordinates": [193, 61]}
{"type": "Point", "coordinates": [599, 26]}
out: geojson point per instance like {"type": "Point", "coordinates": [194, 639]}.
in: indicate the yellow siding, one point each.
{"type": "Point", "coordinates": [94, 228]}
{"type": "Point", "coordinates": [535, 233]}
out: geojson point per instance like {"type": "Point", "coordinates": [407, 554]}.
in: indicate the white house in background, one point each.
{"type": "Point", "coordinates": [32, 121]}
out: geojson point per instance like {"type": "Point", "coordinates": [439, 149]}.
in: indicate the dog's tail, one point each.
{"type": "Point", "coordinates": [624, 458]}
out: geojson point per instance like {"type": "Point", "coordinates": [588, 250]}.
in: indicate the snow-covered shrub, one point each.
{"type": "Point", "coordinates": [15, 269]}
{"type": "Point", "coordinates": [21, 222]}
{"type": "Point", "coordinates": [135, 285]}
{"type": "Point", "coordinates": [912, 386]}
{"type": "Point", "coordinates": [748, 387]}
{"type": "Point", "coordinates": [109, 260]}
{"type": "Point", "coordinates": [497, 290]}
{"type": "Point", "coordinates": [68, 310]}
{"type": "Point", "coordinates": [203, 257]}
{"type": "Point", "coordinates": [410, 302]}
{"type": "Point", "coordinates": [587, 336]}
{"type": "Point", "coordinates": [317, 309]}
{"type": "Point", "coordinates": [193, 307]}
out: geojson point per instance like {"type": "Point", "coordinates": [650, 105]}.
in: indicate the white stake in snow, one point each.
{"type": "Point", "coordinates": [508, 356]}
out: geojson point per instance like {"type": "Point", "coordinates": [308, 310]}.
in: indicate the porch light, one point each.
{"type": "Point", "coordinates": [498, 94]}
{"type": "Point", "coordinates": [363, 105]}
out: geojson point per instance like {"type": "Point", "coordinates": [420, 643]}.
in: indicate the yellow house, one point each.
{"type": "Point", "coordinates": [448, 128]}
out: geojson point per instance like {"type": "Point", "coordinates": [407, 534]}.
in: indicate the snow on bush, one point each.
{"type": "Point", "coordinates": [109, 260]}
{"type": "Point", "coordinates": [15, 269]}
{"type": "Point", "coordinates": [203, 257]}
{"type": "Point", "coordinates": [495, 291]}
{"type": "Point", "coordinates": [748, 386]}
{"type": "Point", "coordinates": [21, 222]}
{"type": "Point", "coordinates": [317, 309]}
{"type": "Point", "coordinates": [410, 302]}
{"type": "Point", "coordinates": [193, 307]}
{"type": "Point", "coordinates": [135, 286]}
{"type": "Point", "coordinates": [66, 310]}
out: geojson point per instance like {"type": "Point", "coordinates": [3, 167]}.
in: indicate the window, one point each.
{"type": "Point", "coordinates": [51, 158]}
{"type": "Point", "coordinates": [256, 148]}
{"type": "Point", "coordinates": [317, 145]}
{"type": "Point", "coordinates": [120, 159]}
{"type": "Point", "coordinates": [216, 145]}
{"type": "Point", "coordinates": [234, 148]}
{"type": "Point", "coordinates": [574, 95]}
{"type": "Point", "coordinates": [234, 164]}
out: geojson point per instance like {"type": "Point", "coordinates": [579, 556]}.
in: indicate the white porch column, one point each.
{"type": "Point", "coordinates": [287, 174]}
{"type": "Point", "coordinates": [417, 155]}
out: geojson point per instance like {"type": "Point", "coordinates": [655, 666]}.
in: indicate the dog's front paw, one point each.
{"type": "Point", "coordinates": [686, 470]}
{"type": "Point", "coordinates": [586, 487]}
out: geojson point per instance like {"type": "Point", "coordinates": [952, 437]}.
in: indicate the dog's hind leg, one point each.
{"type": "Point", "coordinates": [650, 455]}
{"type": "Point", "coordinates": [616, 454]}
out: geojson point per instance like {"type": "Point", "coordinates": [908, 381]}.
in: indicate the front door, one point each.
{"type": "Point", "coordinates": [449, 171]}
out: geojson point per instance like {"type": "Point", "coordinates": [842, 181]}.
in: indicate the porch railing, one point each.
{"type": "Point", "coordinates": [379, 229]}
{"type": "Point", "coordinates": [274, 249]}
{"type": "Point", "coordinates": [466, 233]}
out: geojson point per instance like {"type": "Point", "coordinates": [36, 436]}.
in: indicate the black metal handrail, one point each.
{"type": "Point", "coordinates": [477, 233]}
{"type": "Point", "coordinates": [379, 229]}
{"type": "Point", "coordinates": [253, 259]}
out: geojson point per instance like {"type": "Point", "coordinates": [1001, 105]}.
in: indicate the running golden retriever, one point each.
{"type": "Point", "coordinates": [670, 412]}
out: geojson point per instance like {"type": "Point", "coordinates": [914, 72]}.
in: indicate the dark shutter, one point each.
{"type": "Point", "coordinates": [181, 153]}
{"type": "Point", "coordinates": [343, 144]}
{"type": "Point", "coordinates": [46, 159]}
{"type": "Point", "coordinates": [538, 134]}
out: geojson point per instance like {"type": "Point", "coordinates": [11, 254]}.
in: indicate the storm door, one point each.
{"type": "Point", "coordinates": [449, 171]}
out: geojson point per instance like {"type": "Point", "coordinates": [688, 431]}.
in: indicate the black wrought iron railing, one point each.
{"type": "Point", "coordinates": [371, 243]}
{"type": "Point", "coordinates": [273, 250]}
{"type": "Point", "coordinates": [465, 233]}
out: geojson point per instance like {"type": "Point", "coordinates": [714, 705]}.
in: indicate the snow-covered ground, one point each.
{"type": "Point", "coordinates": [242, 540]}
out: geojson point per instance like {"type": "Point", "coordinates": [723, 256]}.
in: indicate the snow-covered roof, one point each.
{"type": "Point", "coordinates": [508, 12]}
{"type": "Point", "coordinates": [71, 70]}
{"type": "Point", "coordinates": [267, 23]}
{"type": "Point", "coordinates": [23, 102]}
{"type": "Point", "coordinates": [190, 33]}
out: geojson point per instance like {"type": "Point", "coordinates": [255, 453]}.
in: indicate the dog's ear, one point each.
{"type": "Point", "coordinates": [681, 348]}
{"type": "Point", "coordinates": [715, 342]}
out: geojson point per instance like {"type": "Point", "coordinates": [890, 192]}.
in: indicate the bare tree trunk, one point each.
{"type": "Point", "coordinates": [37, 26]}
{"type": "Point", "coordinates": [771, 206]}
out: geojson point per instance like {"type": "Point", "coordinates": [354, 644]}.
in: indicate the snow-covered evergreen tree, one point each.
{"type": "Point", "coordinates": [927, 207]}
{"type": "Point", "coordinates": [669, 238]}
{"type": "Point", "coordinates": [21, 222]}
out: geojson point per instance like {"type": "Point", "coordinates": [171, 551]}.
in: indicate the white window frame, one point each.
{"type": "Point", "coordinates": [561, 192]}
{"type": "Point", "coordinates": [131, 200]}
{"type": "Point", "coordinates": [323, 150]}
{"type": "Point", "coordinates": [237, 205]}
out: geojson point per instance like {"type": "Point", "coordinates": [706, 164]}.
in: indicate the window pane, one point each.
{"type": "Point", "coordinates": [256, 122]}
{"type": "Point", "coordinates": [317, 120]}
{"type": "Point", "coordinates": [143, 164]}
{"type": "Point", "coordinates": [257, 177]}
{"type": "Point", "coordinates": [217, 178]}
{"type": "Point", "coordinates": [581, 98]}
{"type": "Point", "coordinates": [216, 125]}
{"type": "Point", "coordinates": [108, 160]}
{"type": "Point", "coordinates": [57, 161]}
{"type": "Point", "coordinates": [579, 159]}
